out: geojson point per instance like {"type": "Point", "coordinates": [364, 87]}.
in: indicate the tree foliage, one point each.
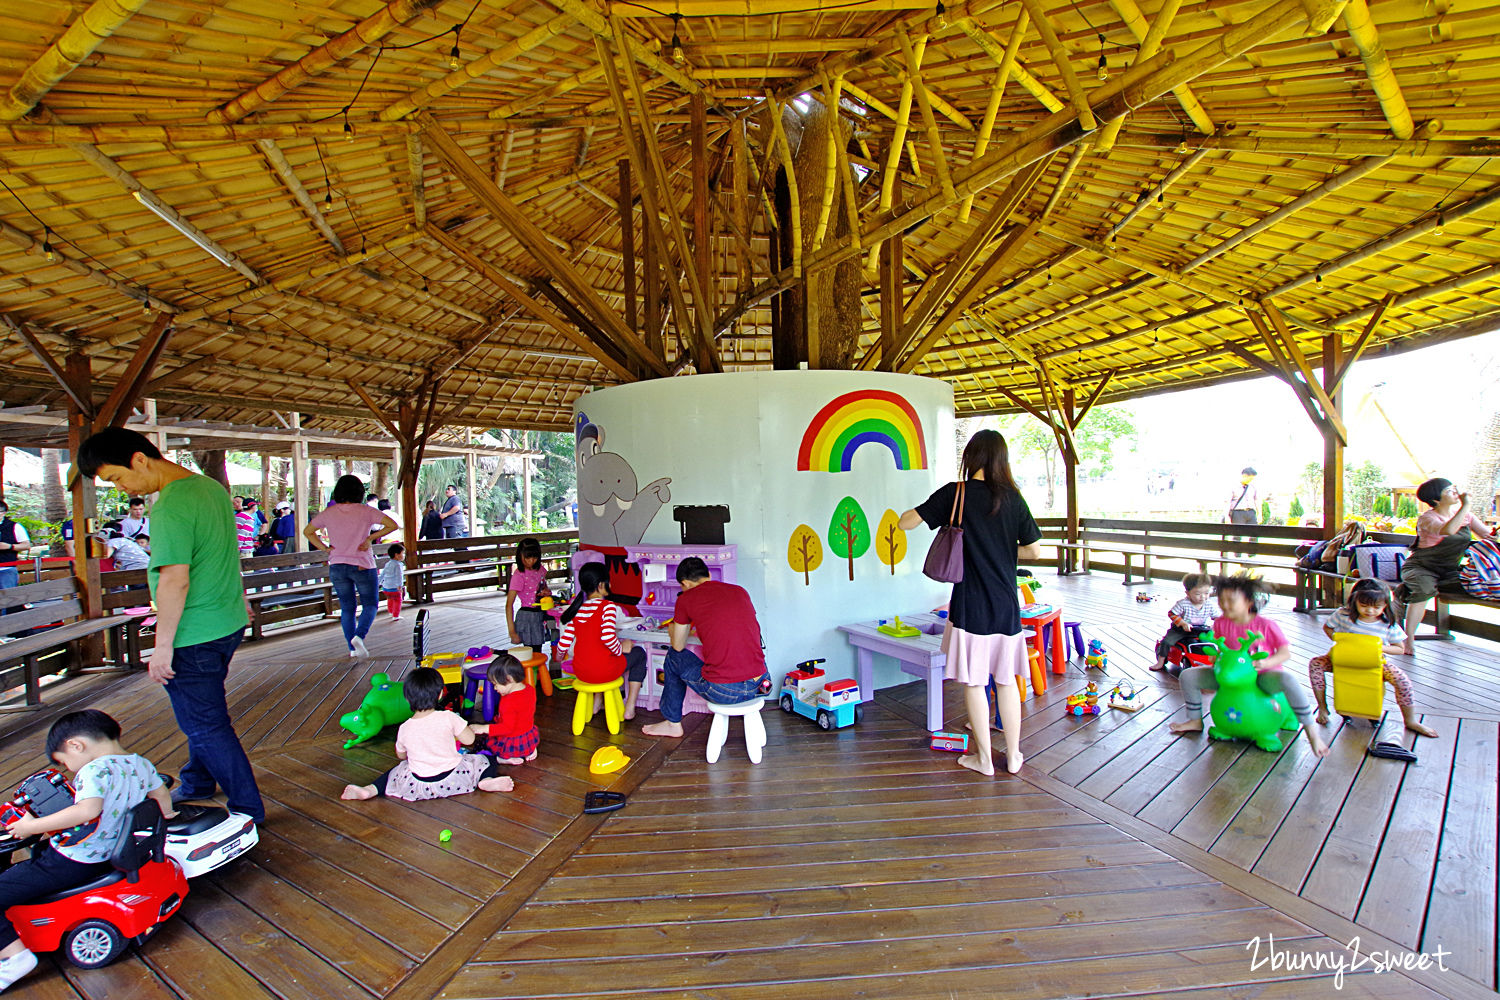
{"type": "Point", "coordinates": [804, 552]}
{"type": "Point", "coordinates": [890, 540]}
{"type": "Point", "coordinates": [1104, 433]}
{"type": "Point", "coordinates": [849, 532]}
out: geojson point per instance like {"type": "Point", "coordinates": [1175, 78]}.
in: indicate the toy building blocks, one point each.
{"type": "Point", "coordinates": [832, 704]}
{"type": "Point", "coordinates": [1085, 702]}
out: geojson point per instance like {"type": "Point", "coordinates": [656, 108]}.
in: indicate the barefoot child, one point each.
{"type": "Point", "coordinates": [1240, 598]}
{"type": "Point", "coordinates": [1368, 612]}
{"type": "Point", "coordinates": [1189, 616]}
{"type": "Point", "coordinates": [528, 626]}
{"type": "Point", "coordinates": [393, 580]}
{"type": "Point", "coordinates": [108, 783]}
{"type": "Point", "coordinates": [513, 737]}
{"type": "Point", "coordinates": [431, 766]}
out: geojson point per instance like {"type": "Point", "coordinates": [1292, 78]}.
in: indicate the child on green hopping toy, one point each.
{"type": "Point", "coordinates": [1240, 598]}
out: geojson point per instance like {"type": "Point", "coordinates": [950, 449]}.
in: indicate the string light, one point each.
{"type": "Point", "coordinates": [678, 56]}
{"type": "Point", "coordinates": [453, 57]}
{"type": "Point", "coordinates": [1438, 229]}
{"type": "Point", "coordinates": [348, 129]}
{"type": "Point", "coordinates": [47, 245]}
{"type": "Point", "coordinates": [328, 201]}
{"type": "Point", "coordinates": [1103, 62]}
{"type": "Point", "coordinates": [1318, 278]}
{"type": "Point", "coordinates": [941, 15]}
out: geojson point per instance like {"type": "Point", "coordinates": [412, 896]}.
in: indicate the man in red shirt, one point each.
{"type": "Point", "coordinates": [733, 666]}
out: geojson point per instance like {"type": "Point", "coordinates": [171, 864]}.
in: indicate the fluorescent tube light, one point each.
{"type": "Point", "coordinates": [554, 355]}
{"type": "Point", "coordinates": [171, 218]}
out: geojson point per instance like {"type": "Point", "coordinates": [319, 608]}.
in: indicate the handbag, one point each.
{"type": "Point", "coordinates": [945, 559]}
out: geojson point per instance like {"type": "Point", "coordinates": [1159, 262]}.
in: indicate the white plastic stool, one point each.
{"type": "Point", "coordinates": [755, 728]}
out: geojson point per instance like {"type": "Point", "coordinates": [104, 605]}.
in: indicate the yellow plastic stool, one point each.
{"type": "Point", "coordinates": [1358, 675]}
{"type": "Point", "coordinates": [614, 704]}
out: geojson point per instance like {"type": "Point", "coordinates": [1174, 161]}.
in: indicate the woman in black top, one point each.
{"type": "Point", "coordinates": [432, 524]}
{"type": "Point", "coordinates": [983, 639]}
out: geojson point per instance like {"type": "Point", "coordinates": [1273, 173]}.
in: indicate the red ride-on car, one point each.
{"type": "Point", "coordinates": [93, 922]}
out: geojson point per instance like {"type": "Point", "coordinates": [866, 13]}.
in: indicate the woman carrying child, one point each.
{"type": "Point", "coordinates": [1189, 616]}
{"type": "Point", "coordinates": [1443, 536]}
{"type": "Point", "coordinates": [431, 766]}
{"type": "Point", "coordinates": [513, 737]}
{"type": "Point", "coordinates": [1368, 612]}
{"type": "Point", "coordinates": [591, 635]}
{"type": "Point", "coordinates": [528, 626]}
{"type": "Point", "coordinates": [1240, 598]}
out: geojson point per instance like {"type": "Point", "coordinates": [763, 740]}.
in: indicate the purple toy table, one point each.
{"type": "Point", "coordinates": [919, 655]}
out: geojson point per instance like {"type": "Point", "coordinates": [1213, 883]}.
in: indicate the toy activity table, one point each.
{"type": "Point", "coordinates": [1053, 620]}
{"type": "Point", "coordinates": [920, 655]}
{"type": "Point", "coordinates": [656, 642]}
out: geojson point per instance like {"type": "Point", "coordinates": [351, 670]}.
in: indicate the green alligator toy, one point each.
{"type": "Point", "coordinates": [384, 705]}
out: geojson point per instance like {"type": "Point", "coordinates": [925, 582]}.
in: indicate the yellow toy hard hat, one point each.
{"type": "Point", "coordinates": [607, 760]}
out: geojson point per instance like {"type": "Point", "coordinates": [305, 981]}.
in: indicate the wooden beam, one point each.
{"type": "Point", "coordinates": [1333, 447]}
{"type": "Point", "coordinates": [1294, 351]}
{"type": "Point", "coordinates": [364, 34]}
{"type": "Point", "coordinates": [490, 273]}
{"type": "Point", "coordinates": [526, 232]}
{"type": "Point", "coordinates": [625, 206]}
{"type": "Point", "coordinates": [99, 21]}
{"type": "Point", "coordinates": [1093, 397]}
{"type": "Point", "coordinates": [1280, 368]}
{"type": "Point", "coordinates": [374, 408]}
{"type": "Point", "coordinates": [58, 372]}
{"type": "Point", "coordinates": [1023, 404]}
{"type": "Point", "coordinates": [122, 399]}
{"type": "Point", "coordinates": [1358, 348]}
{"type": "Point", "coordinates": [1153, 195]}
{"type": "Point", "coordinates": [702, 248]}
{"type": "Point", "coordinates": [414, 170]}
{"type": "Point", "coordinates": [179, 373]}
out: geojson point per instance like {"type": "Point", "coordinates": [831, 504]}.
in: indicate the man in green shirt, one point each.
{"type": "Point", "coordinates": [201, 611]}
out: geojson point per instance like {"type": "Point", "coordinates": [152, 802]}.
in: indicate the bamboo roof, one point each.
{"type": "Point", "coordinates": [1244, 185]}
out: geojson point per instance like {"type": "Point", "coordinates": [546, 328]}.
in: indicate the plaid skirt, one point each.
{"type": "Point", "coordinates": [512, 746]}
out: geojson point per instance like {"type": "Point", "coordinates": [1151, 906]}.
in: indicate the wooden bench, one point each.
{"type": "Point", "coordinates": [453, 564]}
{"type": "Point", "coordinates": [53, 623]}
{"type": "Point", "coordinates": [287, 587]}
{"type": "Point", "coordinates": [1147, 553]}
{"type": "Point", "coordinates": [128, 589]}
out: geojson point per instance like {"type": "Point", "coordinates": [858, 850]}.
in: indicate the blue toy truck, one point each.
{"type": "Point", "coordinates": [831, 704]}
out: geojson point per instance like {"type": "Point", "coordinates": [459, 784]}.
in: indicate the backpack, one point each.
{"type": "Point", "coordinates": [1377, 560]}
{"type": "Point", "coordinates": [1310, 554]}
{"type": "Point", "coordinates": [1480, 574]}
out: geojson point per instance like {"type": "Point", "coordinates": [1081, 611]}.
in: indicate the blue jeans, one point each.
{"type": "Point", "coordinates": [682, 670]}
{"type": "Point", "coordinates": [10, 576]}
{"type": "Point", "coordinates": [459, 530]}
{"type": "Point", "coordinates": [346, 581]}
{"type": "Point", "coordinates": [215, 757]}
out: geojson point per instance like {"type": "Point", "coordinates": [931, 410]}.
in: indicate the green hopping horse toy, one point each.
{"type": "Point", "coordinates": [1240, 709]}
{"type": "Point", "coordinates": [383, 705]}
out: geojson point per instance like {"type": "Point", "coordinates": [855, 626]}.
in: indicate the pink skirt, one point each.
{"type": "Point", "coordinates": [976, 659]}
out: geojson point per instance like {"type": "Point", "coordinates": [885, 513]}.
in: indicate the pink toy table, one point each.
{"type": "Point", "coordinates": [919, 655]}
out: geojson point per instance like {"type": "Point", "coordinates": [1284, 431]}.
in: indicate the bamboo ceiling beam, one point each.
{"type": "Point", "coordinates": [366, 320]}
{"type": "Point", "coordinates": [1155, 194]}
{"type": "Point", "coordinates": [616, 35]}
{"type": "Point", "coordinates": [898, 137]}
{"type": "Point", "coordinates": [99, 20]}
{"type": "Point", "coordinates": [418, 183]}
{"type": "Point", "coordinates": [424, 294]}
{"type": "Point", "coordinates": [1063, 63]}
{"type": "Point", "coordinates": [582, 78]}
{"type": "Point", "coordinates": [980, 36]}
{"type": "Point", "coordinates": [832, 163]}
{"type": "Point", "coordinates": [364, 34]}
{"type": "Point", "coordinates": [1484, 273]}
{"type": "Point", "coordinates": [147, 198]}
{"type": "Point", "coordinates": [1150, 38]}
{"type": "Point", "coordinates": [476, 68]}
{"type": "Point", "coordinates": [1481, 148]}
{"type": "Point", "coordinates": [531, 305]}
{"type": "Point", "coordinates": [898, 70]}
{"type": "Point", "coordinates": [291, 282]}
{"type": "Point", "coordinates": [1213, 291]}
{"type": "Point", "coordinates": [929, 123]}
{"type": "Point", "coordinates": [997, 93]}
{"type": "Point", "coordinates": [283, 168]}
{"type": "Point", "coordinates": [1358, 347]}
{"type": "Point", "coordinates": [32, 248]}
{"type": "Point", "coordinates": [1080, 150]}
{"type": "Point", "coordinates": [1378, 67]}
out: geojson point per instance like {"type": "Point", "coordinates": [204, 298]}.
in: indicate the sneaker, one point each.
{"type": "Point", "coordinates": [15, 967]}
{"type": "Point", "coordinates": [359, 649]}
{"type": "Point", "coordinates": [180, 797]}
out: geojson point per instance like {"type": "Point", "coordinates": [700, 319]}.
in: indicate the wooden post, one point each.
{"type": "Point", "coordinates": [892, 293]}
{"type": "Point", "coordinates": [1070, 471]}
{"type": "Point", "coordinates": [651, 285]}
{"type": "Point", "coordinates": [411, 512]}
{"type": "Point", "coordinates": [265, 483]}
{"type": "Point", "coordinates": [85, 507]}
{"type": "Point", "coordinates": [526, 480]}
{"type": "Point", "coordinates": [627, 245]}
{"type": "Point", "coordinates": [1333, 448]}
{"type": "Point", "coordinates": [473, 494]}
{"type": "Point", "coordinates": [300, 485]}
{"type": "Point", "coordinates": [701, 244]}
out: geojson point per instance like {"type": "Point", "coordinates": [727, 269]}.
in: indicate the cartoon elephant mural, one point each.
{"type": "Point", "coordinates": [611, 511]}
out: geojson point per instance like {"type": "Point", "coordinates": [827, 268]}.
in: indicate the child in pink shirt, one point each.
{"type": "Point", "coordinates": [431, 766]}
{"type": "Point", "coordinates": [1241, 598]}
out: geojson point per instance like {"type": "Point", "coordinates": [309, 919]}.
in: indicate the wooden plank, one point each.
{"type": "Point", "coordinates": [1395, 900]}
{"type": "Point", "coordinates": [1461, 910]}
{"type": "Point", "coordinates": [1217, 808]}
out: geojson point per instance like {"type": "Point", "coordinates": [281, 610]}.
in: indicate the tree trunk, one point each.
{"type": "Point", "coordinates": [833, 292]}
{"type": "Point", "coordinates": [213, 466]}
{"type": "Point", "coordinates": [54, 499]}
{"type": "Point", "coordinates": [1486, 465]}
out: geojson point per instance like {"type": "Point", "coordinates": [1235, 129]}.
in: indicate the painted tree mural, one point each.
{"type": "Point", "coordinates": [890, 540]}
{"type": "Point", "coordinates": [804, 552]}
{"type": "Point", "coordinates": [849, 532]}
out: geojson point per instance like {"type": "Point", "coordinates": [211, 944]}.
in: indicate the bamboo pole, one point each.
{"type": "Point", "coordinates": [997, 92]}
{"type": "Point", "coordinates": [1064, 64]}
{"type": "Point", "coordinates": [288, 175]}
{"type": "Point", "coordinates": [740, 200]}
{"type": "Point", "coordinates": [898, 137]}
{"type": "Point", "coordinates": [100, 20]}
{"type": "Point", "coordinates": [414, 173]}
{"type": "Point", "coordinates": [929, 123]}
{"type": "Point", "coordinates": [1480, 148]}
{"type": "Point", "coordinates": [1378, 67]}
{"type": "Point", "coordinates": [1074, 159]}
{"type": "Point", "coordinates": [834, 89]}
{"type": "Point", "coordinates": [620, 38]}
{"type": "Point", "coordinates": [846, 176]}
{"type": "Point", "coordinates": [784, 149]}
{"type": "Point", "coordinates": [1150, 39]}
{"type": "Point", "coordinates": [361, 36]}
{"type": "Point", "coordinates": [1157, 192]}
{"type": "Point", "coordinates": [476, 68]}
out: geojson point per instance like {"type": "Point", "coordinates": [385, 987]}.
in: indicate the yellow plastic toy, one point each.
{"type": "Point", "coordinates": [607, 760]}
{"type": "Point", "coordinates": [1358, 675]}
{"type": "Point", "coordinates": [583, 708]}
{"type": "Point", "coordinates": [449, 665]}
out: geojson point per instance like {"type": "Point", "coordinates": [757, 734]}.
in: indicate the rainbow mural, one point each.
{"type": "Point", "coordinates": [856, 419]}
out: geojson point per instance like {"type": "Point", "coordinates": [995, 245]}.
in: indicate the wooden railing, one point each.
{"type": "Point", "coordinates": [446, 565]}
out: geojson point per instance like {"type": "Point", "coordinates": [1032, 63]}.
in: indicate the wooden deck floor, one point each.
{"type": "Point", "coordinates": [857, 863]}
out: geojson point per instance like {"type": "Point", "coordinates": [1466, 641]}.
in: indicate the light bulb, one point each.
{"type": "Point", "coordinates": [47, 246]}
{"type": "Point", "coordinates": [453, 61]}
{"type": "Point", "coordinates": [1438, 229]}
{"type": "Point", "coordinates": [146, 307]}
{"type": "Point", "coordinates": [1182, 147]}
{"type": "Point", "coordinates": [1318, 278]}
{"type": "Point", "coordinates": [328, 203]}
{"type": "Point", "coordinates": [348, 131]}
{"type": "Point", "coordinates": [1103, 68]}
{"type": "Point", "coordinates": [677, 54]}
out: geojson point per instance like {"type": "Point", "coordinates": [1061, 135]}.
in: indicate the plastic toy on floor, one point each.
{"type": "Point", "coordinates": [954, 742]}
{"type": "Point", "coordinates": [1086, 702]}
{"type": "Point", "coordinates": [1096, 658]}
{"type": "Point", "coordinates": [1194, 651]}
{"type": "Point", "coordinates": [383, 705]}
{"type": "Point", "coordinates": [1240, 709]}
{"type": "Point", "coordinates": [1144, 598]}
{"type": "Point", "coordinates": [1125, 697]}
{"type": "Point", "coordinates": [895, 627]}
{"type": "Point", "coordinates": [832, 704]}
